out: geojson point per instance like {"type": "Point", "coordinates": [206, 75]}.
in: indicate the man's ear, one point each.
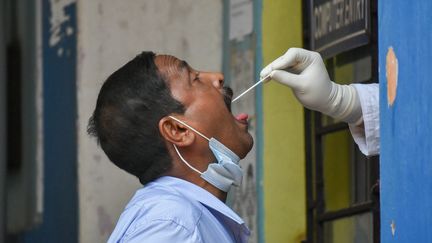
{"type": "Point", "coordinates": [175, 132]}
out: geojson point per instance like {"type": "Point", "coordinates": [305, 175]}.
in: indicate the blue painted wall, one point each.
{"type": "Point", "coordinates": [406, 126]}
{"type": "Point", "coordinates": [60, 215]}
{"type": "Point", "coordinates": [260, 121]}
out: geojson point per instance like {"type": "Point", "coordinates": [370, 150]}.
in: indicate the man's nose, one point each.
{"type": "Point", "coordinates": [216, 79]}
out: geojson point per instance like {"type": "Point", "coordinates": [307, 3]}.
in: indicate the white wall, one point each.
{"type": "Point", "coordinates": [110, 33]}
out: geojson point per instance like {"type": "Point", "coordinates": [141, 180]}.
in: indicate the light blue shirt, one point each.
{"type": "Point", "coordinates": [174, 210]}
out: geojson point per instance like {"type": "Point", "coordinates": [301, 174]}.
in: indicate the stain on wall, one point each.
{"type": "Point", "coordinates": [105, 222]}
{"type": "Point", "coordinates": [391, 75]}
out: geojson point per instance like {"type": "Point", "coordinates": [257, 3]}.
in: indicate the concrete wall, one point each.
{"type": "Point", "coordinates": [110, 33]}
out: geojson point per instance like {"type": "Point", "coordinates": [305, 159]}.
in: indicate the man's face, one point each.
{"type": "Point", "coordinates": [207, 103]}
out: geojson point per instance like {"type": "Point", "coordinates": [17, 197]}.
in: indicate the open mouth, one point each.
{"type": "Point", "coordinates": [227, 95]}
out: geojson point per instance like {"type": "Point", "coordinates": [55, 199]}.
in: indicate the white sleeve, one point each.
{"type": "Point", "coordinates": [367, 135]}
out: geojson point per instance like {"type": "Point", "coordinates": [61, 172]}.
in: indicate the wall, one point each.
{"type": "Point", "coordinates": [109, 34]}
{"type": "Point", "coordinates": [283, 160]}
{"type": "Point", "coordinates": [51, 76]}
{"type": "Point", "coordinates": [405, 120]}
{"type": "Point", "coordinates": [241, 69]}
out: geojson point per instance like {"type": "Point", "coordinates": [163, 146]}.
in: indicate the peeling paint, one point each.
{"type": "Point", "coordinates": [58, 18]}
{"type": "Point", "coordinates": [393, 228]}
{"type": "Point", "coordinates": [60, 52]}
{"type": "Point", "coordinates": [391, 75]}
{"type": "Point", "coordinates": [69, 31]}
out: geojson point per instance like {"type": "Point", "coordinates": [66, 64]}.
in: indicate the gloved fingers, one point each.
{"type": "Point", "coordinates": [295, 61]}
{"type": "Point", "coordinates": [266, 79]}
{"type": "Point", "coordinates": [265, 71]}
{"type": "Point", "coordinates": [287, 78]}
{"type": "Point", "coordinates": [282, 62]}
{"type": "Point", "coordinates": [294, 58]}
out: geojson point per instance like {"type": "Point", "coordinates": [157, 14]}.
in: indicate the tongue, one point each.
{"type": "Point", "coordinates": [242, 116]}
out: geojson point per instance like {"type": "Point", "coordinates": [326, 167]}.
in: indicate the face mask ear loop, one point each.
{"type": "Point", "coordinates": [184, 161]}
{"type": "Point", "coordinates": [193, 129]}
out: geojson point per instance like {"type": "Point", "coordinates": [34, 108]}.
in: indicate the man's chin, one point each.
{"type": "Point", "coordinates": [248, 148]}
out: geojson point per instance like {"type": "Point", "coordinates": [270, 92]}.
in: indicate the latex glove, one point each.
{"type": "Point", "coordinates": [305, 73]}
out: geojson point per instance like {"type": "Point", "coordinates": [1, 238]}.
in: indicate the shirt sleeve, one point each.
{"type": "Point", "coordinates": [161, 231]}
{"type": "Point", "coordinates": [367, 135]}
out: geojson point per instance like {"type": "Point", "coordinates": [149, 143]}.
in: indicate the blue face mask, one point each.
{"type": "Point", "coordinates": [225, 171]}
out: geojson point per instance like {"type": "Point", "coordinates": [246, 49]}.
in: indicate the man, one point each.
{"type": "Point", "coordinates": [171, 126]}
{"type": "Point", "coordinates": [357, 104]}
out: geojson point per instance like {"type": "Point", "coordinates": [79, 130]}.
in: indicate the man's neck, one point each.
{"type": "Point", "coordinates": [221, 195]}
{"type": "Point", "coordinates": [197, 180]}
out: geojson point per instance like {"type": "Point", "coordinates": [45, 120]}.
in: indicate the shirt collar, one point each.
{"type": "Point", "coordinates": [197, 193]}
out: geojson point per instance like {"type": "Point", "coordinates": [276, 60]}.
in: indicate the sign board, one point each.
{"type": "Point", "coordinates": [338, 25]}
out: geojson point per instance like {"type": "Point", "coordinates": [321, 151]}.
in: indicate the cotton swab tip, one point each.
{"type": "Point", "coordinates": [250, 88]}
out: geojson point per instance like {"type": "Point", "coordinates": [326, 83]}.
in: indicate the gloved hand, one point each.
{"type": "Point", "coordinates": [305, 73]}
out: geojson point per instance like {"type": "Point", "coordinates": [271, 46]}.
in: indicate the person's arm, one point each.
{"type": "Point", "coordinates": [305, 73]}
{"type": "Point", "coordinates": [367, 135]}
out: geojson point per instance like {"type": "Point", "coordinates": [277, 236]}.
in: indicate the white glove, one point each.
{"type": "Point", "coordinates": [305, 73]}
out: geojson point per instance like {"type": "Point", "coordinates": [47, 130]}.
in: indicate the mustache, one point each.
{"type": "Point", "coordinates": [227, 95]}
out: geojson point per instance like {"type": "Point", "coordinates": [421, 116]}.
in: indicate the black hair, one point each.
{"type": "Point", "coordinates": [125, 121]}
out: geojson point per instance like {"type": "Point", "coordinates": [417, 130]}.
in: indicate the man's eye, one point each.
{"type": "Point", "coordinates": [197, 78]}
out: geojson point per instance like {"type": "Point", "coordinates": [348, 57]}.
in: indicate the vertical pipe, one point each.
{"type": "Point", "coordinates": [309, 141]}
{"type": "Point", "coordinates": [310, 200]}
{"type": "Point", "coordinates": [319, 178]}
{"type": "Point", "coordinates": [258, 4]}
{"type": "Point", "coordinates": [2, 128]}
